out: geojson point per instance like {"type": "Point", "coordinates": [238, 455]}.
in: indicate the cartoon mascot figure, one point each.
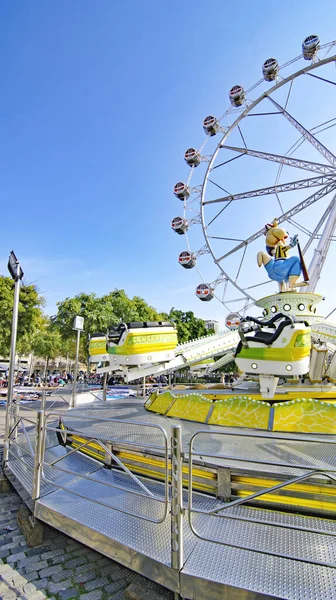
{"type": "Point", "coordinates": [279, 266]}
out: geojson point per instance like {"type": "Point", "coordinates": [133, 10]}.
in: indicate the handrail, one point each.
{"type": "Point", "coordinates": [313, 471]}
{"type": "Point", "coordinates": [20, 420]}
{"type": "Point", "coordinates": [120, 421]}
{"type": "Point", "coordinates": [21, 448]}
{"type": "Point", "coordinates": [99, 440]}
{"type": "Point", "coordinates": [110, 453]}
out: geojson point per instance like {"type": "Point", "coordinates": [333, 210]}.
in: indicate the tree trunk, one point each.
{"type": "Point", "coordinates": [45, 368]}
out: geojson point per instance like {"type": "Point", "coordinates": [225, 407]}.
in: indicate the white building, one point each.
{"type": "Point", "coordinates": [212, 325]}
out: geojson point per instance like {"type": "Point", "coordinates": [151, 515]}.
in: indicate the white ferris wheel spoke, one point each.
{"type": "Point", "coordinates": [314, 234]}
{"type": "Point", "coordinates": [330, 187]}
{"type": "Point", "coordinates": [276, 189]}
{"type": "Point", "coordinates": [306, 134]}
{"type": "Point", "coordinates": [284, 160]}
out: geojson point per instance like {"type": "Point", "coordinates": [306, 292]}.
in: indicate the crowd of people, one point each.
{"type": "Point", "coordinates": [56, 379]}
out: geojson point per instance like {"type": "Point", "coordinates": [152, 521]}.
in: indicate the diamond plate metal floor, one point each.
{"type": "Point", "coordinates": [223, 558]}
{"type": "Point", "coordinates": [306, 453]}
{"type": "Point", "coordinates": [211, 570]}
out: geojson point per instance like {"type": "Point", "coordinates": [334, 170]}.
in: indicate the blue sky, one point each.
{"type": "Point", "coordinates": [99, 101]}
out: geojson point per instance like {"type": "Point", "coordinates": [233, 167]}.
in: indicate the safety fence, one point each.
{"type": "Point", "coordinates": [32, 441]}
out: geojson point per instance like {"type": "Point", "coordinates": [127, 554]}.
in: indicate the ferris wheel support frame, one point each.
{"type": "Point", "coordinates": [330, 157]}
{"type": "Point", "coordinates": [320, 253]}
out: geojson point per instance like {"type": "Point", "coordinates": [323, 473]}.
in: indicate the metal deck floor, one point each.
{"type": "Point", "coordinates": [211, 570]}
{"type": "Point", "coordinates": [266, 448]}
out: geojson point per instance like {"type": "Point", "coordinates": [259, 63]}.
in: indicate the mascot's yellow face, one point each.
{"type": "Point", "coordinates": [276, 235]}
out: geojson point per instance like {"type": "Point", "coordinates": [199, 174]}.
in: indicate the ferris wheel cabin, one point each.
{"type": "Point", "coordinates": [181, 190]}
{"type": "Point", "coordinates": [205, 292]}
{"type": "Point", "coordinates": [237, 95]}
{"type": "Point", "coordinates": [179, 225]}
{"type": "Point", "coordinates": [192, 157]}
{"type": "Point", "coordinates": [310, 47]}
{"type": "Point", "coordinates": [210, 125]}
{"type": "Point", "coordinates": [187, 259]}
{"type": "Point", "coordinates": [270, 69]}
{"type": "Point", "coordinates": [233, 321]}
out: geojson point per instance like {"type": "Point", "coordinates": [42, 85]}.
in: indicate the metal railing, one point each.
{"type": "Point", "coordinates": [107, 434]}
{"type": "Point", "coordinates": [311, 472]}
{"type": "Point", "coordinates": [106, 444]}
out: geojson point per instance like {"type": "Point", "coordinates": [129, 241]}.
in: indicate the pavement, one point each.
{"type": "Point", "coordinates": [61, 568]}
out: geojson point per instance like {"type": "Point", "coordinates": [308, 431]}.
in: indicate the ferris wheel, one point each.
{"type": "Point", "coordinates": [275, 157]}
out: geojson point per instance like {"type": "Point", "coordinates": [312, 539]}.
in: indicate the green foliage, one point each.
{"type": "Point", "coordinates": [49, 338]}
{"type": "Point", "coordinates": [30, 315]}
{"type": "Point", "coordinates": [100, 313]}
{"type": "Point", "coordinates": [188, 326]}
{"type": "Point", "coordinates": [47, 343]}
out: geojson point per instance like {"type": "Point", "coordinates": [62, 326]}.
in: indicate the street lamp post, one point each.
{"type": "Point", "coordinates": [77, 326]}
{"type": "Point", "coordinates": [16, 274]}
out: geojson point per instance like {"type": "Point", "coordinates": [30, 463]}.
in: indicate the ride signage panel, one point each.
{"type": "Point", "coordinates": [78, 323]}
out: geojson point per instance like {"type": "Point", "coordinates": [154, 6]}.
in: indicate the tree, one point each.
{"type": "Point", "coordinates": [47, 343]}
{"type": "Point", "coordinates": [188, 326]}
{"type": "Point", "coordinates": [29, 318]}
{"type": "Point", "coordinates": [100, 313]}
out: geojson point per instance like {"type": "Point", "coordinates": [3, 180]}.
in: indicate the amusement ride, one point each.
{"type": "Point", "coordinates": [221, 491]}
{"type": "Point", "coordinates": [288, 347]}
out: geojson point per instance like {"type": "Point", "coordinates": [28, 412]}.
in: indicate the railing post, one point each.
{"type": "Point", "coordinates": [176, 499]}
{"type": "Point", "coordinates": [16, 417]}
{"type": "Point", "coordinates": [105, 386]}
{"type": "Point", "coordinates": [39, 452]}
{"type": "Point", "coordinates": [108, 457]}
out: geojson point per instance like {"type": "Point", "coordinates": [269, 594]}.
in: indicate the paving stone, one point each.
{"type": "Point", "coordinates": [85, 567]}
{"type": "Point", "coordinates": [51, 571]}
{"type": "Point", "coordinates": [41, 564]}
{"type": "Point", "coordinates": [96, 583]}
{"type": "Point", "coordinates": [73, 545]}
{"type": "Point", "coordinates": [146, 591]}
{"type": "Point", "coordinates": [62, 574]}
{"type": "Point", "coordinates": [39, 595]}
{"type": "Point", "coordinates": [88, 552]}
{"type": "Point", "coordinates": [103, 561]}
{"type": "Point", "coordinates": [37, 551]}
{"type": "Point", "coordinates": [13, 558]}
{"type": "Point", "coordinates": [52, 553]}
{"type": "Point", "coordinates": [84, 577]}
{"type": "Point", "coordinates": [59, 560]}
{"type": "Point", "coordinates": [9, 546]}
{"type": "Point", "coordinates": [31, 576]}
{"type": "Point", "coordinates": [28, 561]}
{"type": "Point", "coordinates": [96, 595]}
{"type": "Point", "coordinates": [68, 594]}
{"type": "Point", "coordinates": [76, 562]}
{"type": "Point", "coordinates": [116, 571]}
{"type": "Point", "coordinates": [119, 596]}
{"type": "Point", "coordinates": [55, 588]}
{"type": "Point", "coordinates": [116, 586]}
{"type": "Point", "coordinates": [41, 584]}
